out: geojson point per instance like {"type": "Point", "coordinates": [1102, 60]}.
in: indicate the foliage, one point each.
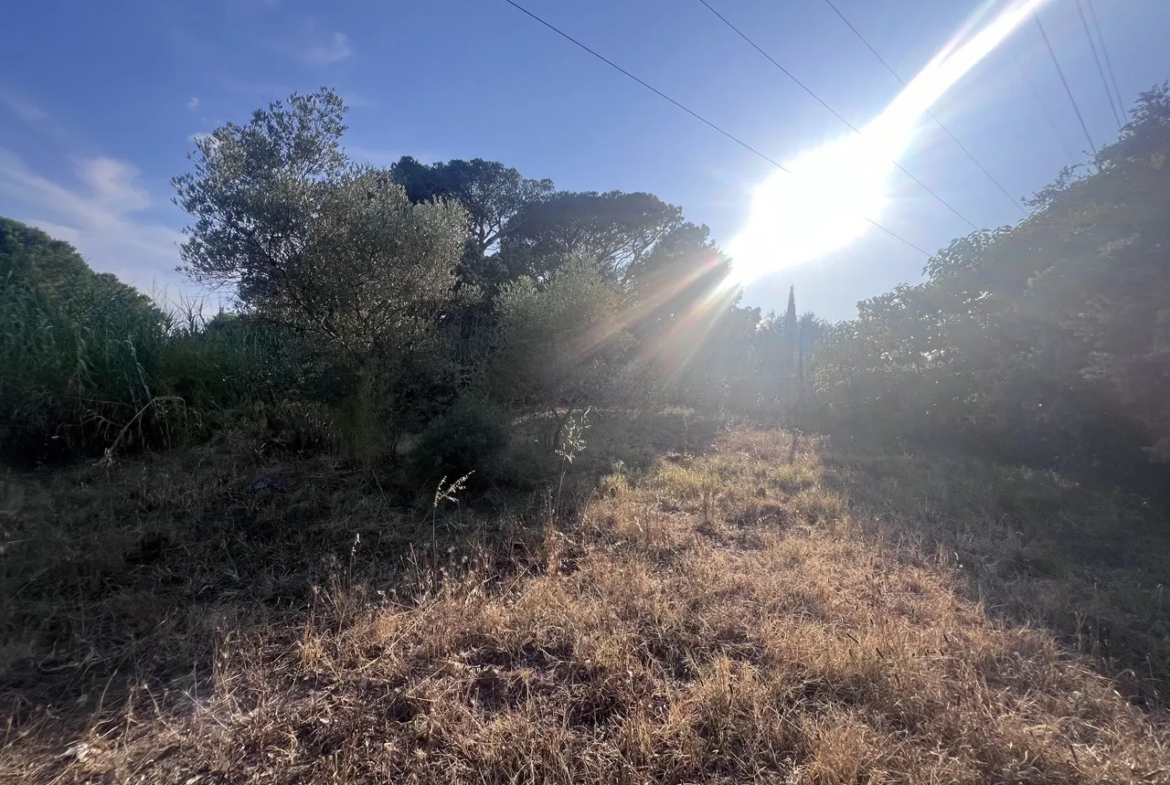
{"type": "Point", "coordinates": [79, 354]}
{"type": "Point", "coordinates": [386, 296]}
{"type": "Point", "coordinates": [491, 193]}
{"type": "Point", "coordinates": [332, 251]}
{"type": "Point", "coordinates": [472, 436]}
{"type": "Point", "coordinates": [614, 229]}
{"type": "Point", "coordinates": [562, 343]}
{"type": "Point", "coordinates": [1046, 342]}
{"type": "Point", "coordinates": [257, 192]}
{"type": "Point", "coordinates": [218, 363]}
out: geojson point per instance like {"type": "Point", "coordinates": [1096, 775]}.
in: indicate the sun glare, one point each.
{"type": "Point", "coordinates": [831, 194]}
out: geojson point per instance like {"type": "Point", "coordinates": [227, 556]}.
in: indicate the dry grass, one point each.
{"type": "Point", "coordinates": [751, 614]}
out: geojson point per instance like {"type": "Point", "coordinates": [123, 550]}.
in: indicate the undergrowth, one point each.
{"type": "Point", "coordinates": [758, 607]}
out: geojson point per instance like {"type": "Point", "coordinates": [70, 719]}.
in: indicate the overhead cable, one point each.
{"type": "Point", "coordinates": [1068, 90]}
{"type": "Point", "coordinates": [692, 113]}
{"type": "Point", "coordinates": [1105, 54]}
{"type": "Point", "coordinates": [1097, 58]}
{"type": "Point", "coordinates": [929, 113]}
{"type": "Point", "coordinates": [834, 112]}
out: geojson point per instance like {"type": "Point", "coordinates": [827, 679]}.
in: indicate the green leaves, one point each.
{"type": "Point", "coordinates": [491, 193]}
{"type": "Point", "coordinates": [78, 350]}
{"type": "Point", "coordinates": [333, 249]}
{"type": "Point", "coordinates": [1049, 340]}
{"type": "Point", "coordinates": [256, 189]}
{"type": "Point", "coordinates": [565, 343]}
{"type": "Point", "coordinates": [615, 229]}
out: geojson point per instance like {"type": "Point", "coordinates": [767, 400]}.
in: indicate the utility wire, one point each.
{"type": "Point", "coordinates": [929, 113]}
{"type": "Point", "coordinates": [692, 113]}
{"type": "Point", "coordinates": [1097, 58]}
{"type": "Point", "coordinates": [1072, 99]}
{"type": "Point", "coordinates": [1051, 121]}
{"type": "Point", "coordinates": [649, 87]}
{"type": "Point", "coordinates": [1105, 53]}
{"type": "Point", "coordinates": [834, 112]}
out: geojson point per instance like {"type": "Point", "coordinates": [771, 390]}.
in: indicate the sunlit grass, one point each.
{"type": "Point", "coordinates": [760, 608]}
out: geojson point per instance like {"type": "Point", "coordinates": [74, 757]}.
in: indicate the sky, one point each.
{"type": "Point", "coordinates": [99, 103]}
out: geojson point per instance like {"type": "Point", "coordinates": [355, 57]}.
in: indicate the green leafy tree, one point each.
{"type": "Point", "coordinates": [1105, 286]}
{"type": "Point", "coordinates": [614, 229]}
{"type": "Point", "coordinates": [1047, 341]}
{"type": "Point", "coordinates": [257, 193]}
{"type": "Point", "coordinates": [333, 250]}
{"type": "Point", "coordinates": [564, 344]}
{"type": "Point", "coordinates": [682, 268]}
{"type": "Point", "coordinates": [491, 193]}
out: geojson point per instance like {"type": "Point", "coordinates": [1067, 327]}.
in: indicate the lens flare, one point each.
{"type": "Point", "coordinates": [832, 192]}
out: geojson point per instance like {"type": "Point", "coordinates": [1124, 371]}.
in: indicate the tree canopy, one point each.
{"type": "Point", "coordinates": [423, 284]}
{"type": "Point", "coordinates": [1049, 340]}
{"type": "Point", "coordinates": [491, 193]}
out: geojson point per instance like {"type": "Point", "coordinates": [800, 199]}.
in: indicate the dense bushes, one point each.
{"type": "Point", "coordinates": [88, 364]}
{"type": "Point", "coordinates": [79, 354]}
{"type": "Point", "coordinates": [472, 436]}
{"type": "Point", "coordinates": [1047, 342]}
{"type": "Point", "coordinates": [432, 303]}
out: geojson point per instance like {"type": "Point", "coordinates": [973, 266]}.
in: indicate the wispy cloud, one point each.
{"type": "Point", "coordinates": [314, 46]}
{"type": "Point", "coordinates": [22, 107]}
{"type": "Point", "coordinates": [30, 113]}
{"type": "Point", "coordinates": [331, 49]}
{"type": "Point", "coordinates": [192, 103]}
{"type": "Point", "coordinates": [113, 184]}
{"type": "Point", "coordinates": [100, 204]}
{"type": "Point", "coordinates": [102, 209]}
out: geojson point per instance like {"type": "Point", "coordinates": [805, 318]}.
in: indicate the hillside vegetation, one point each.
{"type": "Point", "coordinates": [482, 480]}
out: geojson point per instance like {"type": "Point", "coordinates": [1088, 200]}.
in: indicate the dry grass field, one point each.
{"type": "Point", "coordinates": [749, 607]}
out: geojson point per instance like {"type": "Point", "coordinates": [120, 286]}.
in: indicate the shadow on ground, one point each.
{"type": "Point", "coordinates": [1089, 563]}
{"type": "Point", "coordinates": [120, 583]}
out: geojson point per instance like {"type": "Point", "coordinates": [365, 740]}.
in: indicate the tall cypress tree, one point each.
{"type": "Point", "coordinates": [791, 336]}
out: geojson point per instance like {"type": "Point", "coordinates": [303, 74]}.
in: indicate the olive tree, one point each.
{"type": "Point", "coordinates": [334, 250]}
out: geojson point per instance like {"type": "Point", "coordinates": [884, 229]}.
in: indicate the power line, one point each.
{"type": "Point", "coordinates": [649, 87]}
{"type": "Point", "coordinates": [929, 113]}
{"type": "Point", "coordinates": [1097, 58]}
{"type": "Point", "coordinates": [1067, 89]}
{"type": "Point", "coordinates": [1051, 121]}
{"type": "Point", "coordinates": [1105, 53]}
{"type": "Point", "coordinates": [834, 112]}
{"type": "Point", "coordinates": [692, 113]}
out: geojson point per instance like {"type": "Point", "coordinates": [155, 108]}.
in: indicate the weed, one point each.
{"type": "Point", "coordinates": [445, 492]}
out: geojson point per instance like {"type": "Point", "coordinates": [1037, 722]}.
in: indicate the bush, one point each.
{"type": "Point", "coordinates": [472, 436]}
{"type": "Point", "coordinates": [78, 356]}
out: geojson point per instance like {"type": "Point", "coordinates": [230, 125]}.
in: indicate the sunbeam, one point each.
{"type": "Point", "coordinates": [831, 193]}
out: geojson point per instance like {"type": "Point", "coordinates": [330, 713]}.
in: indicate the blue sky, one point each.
{"type": "Point", "coordinates": [99, 101]}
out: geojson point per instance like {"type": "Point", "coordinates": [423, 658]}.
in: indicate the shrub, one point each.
{"type": "Point", "coordinates": [472, 436]}
{"type": "Point", "coordinates": [78, 355]}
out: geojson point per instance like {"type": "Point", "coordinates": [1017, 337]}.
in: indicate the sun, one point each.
{"type": "Point", "coordinates": [819, 206]}
{"type": "Point", "coordinates": [832, 195]}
